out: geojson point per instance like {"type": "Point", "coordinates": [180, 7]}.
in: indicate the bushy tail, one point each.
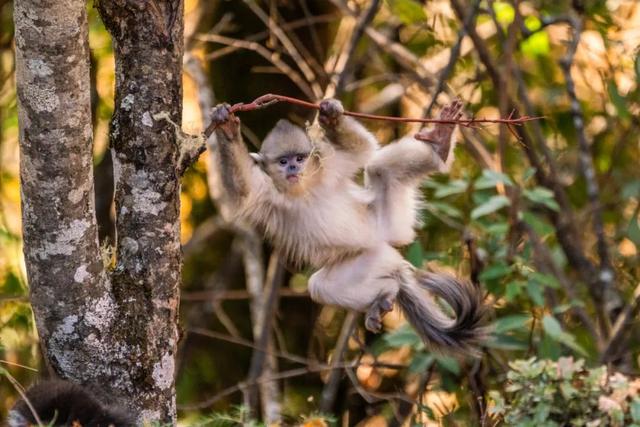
{"type": "Point", "coordinates": [440, 332]}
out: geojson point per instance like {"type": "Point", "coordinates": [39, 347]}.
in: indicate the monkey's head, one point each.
{"type": "Point", "coordinates": [286, 156]}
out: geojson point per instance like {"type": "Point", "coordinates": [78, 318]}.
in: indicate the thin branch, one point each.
{"type": "Point", "coordinates": [288, 45]}
{"type": "Point", "coordinates": [400, 54]}
{"type": "Point", "coordinates": [620, 327]}
{"type": "Point", "coordinates": [269, 99]}
{"type": "Point", "coordinates": [292, 25]}
{"type": "Point", "coordinates": [338, 77]}
{"type": "Point", "coordinates": [16, 385]}
{"type": "Point", "coordinates": [330, 390]}
{"type": "Point", "coordinates": [453, 57]}
{"type": "Point", "coordinates": [267, 312]}
{"type": "Point", "coordinates": [311, 366]}
{"type": "Point", "coordinates": [234, 295]}
{"type": "Point", "coordinates": [586, 160]}
{"type": "Point", "coordinates": [265, 53]}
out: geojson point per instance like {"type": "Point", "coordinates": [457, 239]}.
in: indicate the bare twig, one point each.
{"type": "Point", "coordinates": [273, 281]}
{"type": "Point", "coordinates": [268, 55]}
{"type": "Point", "coordinates": [620, 327]}
{"type": "Point", "coordinates": [310, 367]}
{"type": "Point", "coordinates": [586, 162]}
{"type": "Point", "coordinates": [269, 99]}
{"type": "Point", "coordinates": [453, 57]}
{"type": "Point", "coordinates": [292, 25]}
{"type": "Point", "coordinates": [288, 45]}
{"type": "Point", "coordinates": [401, 54]}
{"type": "Point", "coordinates": [340, 71]}
{"type": "Point", "coordinates": [331, 387]}
{"type": "Point", "coordinates": [16, 385]}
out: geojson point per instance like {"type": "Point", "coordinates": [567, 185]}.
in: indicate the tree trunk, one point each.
{"type": "Point", "coordinates": [148, 46]}
{"type": "Point", "coordinates": [70, 292]}
{"type": "Point", "coordinates": [115, 330]}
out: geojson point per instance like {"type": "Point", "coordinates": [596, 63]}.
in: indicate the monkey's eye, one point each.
{"type": "Point", "coordinates": [300, 158]}
{"type": "Point", "coordinates": [282, 161]}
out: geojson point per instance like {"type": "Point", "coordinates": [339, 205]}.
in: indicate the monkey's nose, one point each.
{"type": "Point", "coordinates": [293, 168]}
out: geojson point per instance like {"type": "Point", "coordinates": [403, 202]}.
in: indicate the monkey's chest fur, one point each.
{"type": "Point", "coordinates": [319, 228]}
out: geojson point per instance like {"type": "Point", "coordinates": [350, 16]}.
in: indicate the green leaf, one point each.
{"type": "Point", "coordinates": [506, 342]}
{"type": "Point", "coordinates": [504, 12]}
{"type": "Point", "coordinates": [421, 362]}
{"type": "Point", "coordinates": [494, 204]}
{"type": "Point", "coordinates": [534, 289]}
{"type": "Point", "coordinates": [491, 178]}
{"type": "Point", "coordinates": [633, 231]}
{"type": "Point", "coordinates": [408, 11]}
{"type": "Point", "coordinates": [528, 174]}
{"type": "Point", "coordinates": [629, 189]}
{"type": "Point", "coordinates": [537, 44]}
{"type": "Point", "coordinates": [449, 364]}
{"type": "Point", "coordinates": [551, 326]}
{"type": "Point", "coordinates": [543, 196]}
{"type": "Point", "coordinates": [455, 186]}
{"type": "Point", "coordinates": [513, 290]}
{"type": "Point", "coordinates": [509, 323]}
{"type": "Point", "coordinates": [618, 100]}
{"type": "Point", "coordinates": [445, 209]}
{"type": "Point", "coordinates": [554, 330]}
{"type": "Point", "coordinates": [544, 279]}
{"type": "Point", "coordinates": [415, 254]}
{"type": "Point", "coordinates": [539, 225]}
{"type": "Point", "coordinates": [635, 409]}
{"type": "Point", "coordinates": [495, 271]}
{"type": "Point", "coordinates": [403, 336]}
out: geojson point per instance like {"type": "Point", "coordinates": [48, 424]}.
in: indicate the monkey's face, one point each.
{"type": "Point", "coordinates": [288, 171]}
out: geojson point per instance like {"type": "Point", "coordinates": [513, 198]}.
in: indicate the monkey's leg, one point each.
{"type": "Point", "coordinates": [394, 175]}
{"type": "Point", "coordinates": [365, 283]}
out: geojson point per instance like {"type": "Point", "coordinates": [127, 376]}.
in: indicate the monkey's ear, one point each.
{"type": "Point", "coordinates": [257, 158]}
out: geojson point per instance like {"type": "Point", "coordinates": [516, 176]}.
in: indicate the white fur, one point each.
{"type": "Point", "coordinates": [346, 230]}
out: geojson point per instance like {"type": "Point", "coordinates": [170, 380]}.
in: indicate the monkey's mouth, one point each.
{"type": "Point", "coordinates": [293, 178]}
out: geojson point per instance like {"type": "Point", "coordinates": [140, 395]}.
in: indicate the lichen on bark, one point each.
{"type": "Point", "coordinates": [115, 330]}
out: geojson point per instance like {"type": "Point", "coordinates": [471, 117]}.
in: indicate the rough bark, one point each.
{"type": "Point", "coordinates": [116, 331]}
{"type": "Point", "coordinates": [70, 292]}
{"type": "Point", "coordinates": [148, 46]}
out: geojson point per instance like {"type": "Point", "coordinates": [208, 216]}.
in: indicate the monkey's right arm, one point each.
{"type": "Point", "coordinates": [241, 178]}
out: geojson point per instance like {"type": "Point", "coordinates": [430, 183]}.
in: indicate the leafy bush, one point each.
{"type": "Point", "coordinates": [565, 393]}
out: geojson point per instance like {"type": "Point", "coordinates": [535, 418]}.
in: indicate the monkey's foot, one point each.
{"type": "Point", "coordinates": [380, 306]}
{"type": "Point", "coordinates": [440, 136]}
{"type": "Point", "coordinates": [330, 112]}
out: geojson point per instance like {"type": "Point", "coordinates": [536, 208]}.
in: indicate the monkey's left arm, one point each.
{"type": "Point", "coordinates": [351, 140]}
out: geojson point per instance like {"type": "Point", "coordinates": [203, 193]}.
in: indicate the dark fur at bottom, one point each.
{"type": "Point", "coordinates": [62, 403]}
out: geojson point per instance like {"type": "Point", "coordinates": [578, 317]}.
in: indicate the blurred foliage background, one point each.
{"type": "Point", "coordinates": [547, 224]}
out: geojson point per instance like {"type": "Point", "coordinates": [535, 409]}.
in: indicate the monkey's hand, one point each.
{"type": "Point", "coordinates": [440, 136]}
{"type": "Point", "coordinates": [331, 110]}
{"type": "Point", "coordinates": [226, 121]}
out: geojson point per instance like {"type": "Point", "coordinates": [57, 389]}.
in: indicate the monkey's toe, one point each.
{"type": "Point", "coordinates": [373, 323]}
